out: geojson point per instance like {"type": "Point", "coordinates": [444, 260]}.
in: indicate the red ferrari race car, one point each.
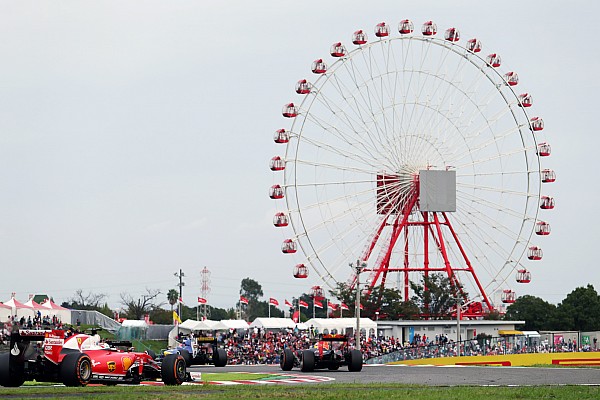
{"type": "Point", "coordinates": [79, 359]}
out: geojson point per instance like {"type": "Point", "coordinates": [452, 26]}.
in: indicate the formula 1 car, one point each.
{"type": "Point", "coordinates": [200, 351]}
{"type": "Point", "coordinates": [79, 359]}
{"type": "Point", "coordinates": [331, 352]}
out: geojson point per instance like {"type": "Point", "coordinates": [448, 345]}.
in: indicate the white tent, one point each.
{"type": "Point", "coordinates": [19, 309]}
{"type": "Point", "coordinates": [231, 324]}
{"type": "Point", "coordinates": [50, 309]}
{"type": "Point", "coordinates": [134, 323]}
{"type": "Point", "coordinates": [327, 325]}
{"type": "Point", "coordinates": [191, 325]}
{"type": "Point", "coordinates": [5, 312]}
{"type": "Point", "coordinates": [273, 323]}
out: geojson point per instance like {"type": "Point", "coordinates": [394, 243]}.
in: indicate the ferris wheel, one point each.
{"type": "Point", "coordinates": [413, 154]}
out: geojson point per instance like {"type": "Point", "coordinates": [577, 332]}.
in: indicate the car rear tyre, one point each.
{"type": "Point", "coordinates": [356, 361]}
{"type": "Point", "coordinates": [187, 357]}
{"type": "Point", "coordinates": [151, 353]}
{"type": "Point", "coordinates": [307, 364]}
{"type": "Point", "coordinates": [173, 370]}
{"type": "Point", "coordinates": [220, 358]}
{"type": "Point", "coordinates": [75, 369]}
{"type": "Point", "coordinates": [287, 360]}
{"type": "Point", "coordinates": [10, 377]}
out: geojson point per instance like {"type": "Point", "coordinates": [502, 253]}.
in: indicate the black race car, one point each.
{"type": "Point", "coordinates": [330, 351]}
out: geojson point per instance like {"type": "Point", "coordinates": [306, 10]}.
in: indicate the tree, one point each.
{"type": "Point", "coordinates": [538, 314]}
{"type": "Point", "coordinates": [172, 297]}
{"type": "Point", "coordinates": [251, 290]}
{"type": "Point", "coordinates": [580, 310]}
{"type": "Point", "coordinates": [83, 301]}
{"type": "Point", "coordinates": [435, 296]}
{"type": "Point", "coordinates": [138, 308]}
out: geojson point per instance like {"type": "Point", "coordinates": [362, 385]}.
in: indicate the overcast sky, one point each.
{"type": "Point", "coordinates": [135, 135]}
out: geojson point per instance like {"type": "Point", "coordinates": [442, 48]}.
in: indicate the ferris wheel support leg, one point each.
{"type": "Point", "coordinates": [398, 227]}
{"type": "Point", "coordinates": [406, 264]}
{"type": "Point", "coordinates": [449, 270]}
{"type": "Point", "coordinates": [468, 262]}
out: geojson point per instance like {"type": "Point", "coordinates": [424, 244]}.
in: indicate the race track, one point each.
{"type": "Point", "coordinates": [439, 375]}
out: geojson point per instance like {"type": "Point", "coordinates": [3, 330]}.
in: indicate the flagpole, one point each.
{"type": "Point", "coordinates": [269, 308]}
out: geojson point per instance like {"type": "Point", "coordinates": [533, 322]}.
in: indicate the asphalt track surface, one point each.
{"type": "Point", "coordinates": [438, 375]}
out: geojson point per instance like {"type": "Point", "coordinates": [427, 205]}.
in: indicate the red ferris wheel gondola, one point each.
{"type": "Point", "coordinates": [523, 276]}
{"type": "Point", "coordinates": [359, 37]}
{"type": "Point", "coordinates": [542, 228]}
{"type": "Point", "coordinates": [300, 271]}
{"type": "Point", "coordinates": [337, 50]}
{"type": "Point", "coordinates": [382, 29]}
{"type": "Point", "coordinates": [405, 27]}
{"type": "Point", "coordinates": [547, 203]}
{"type": "Point", "coordinates": [494, 60]}
{"type": "Point", "coordinates": [511, 78]}
{"type": "Point", "coordinates": [474, 45]}
{"type": "Point", "coordinates": [544, 149]}
{"type": "Point", "coordinates": [280, 220]}
{"type": "Point", "coordinates": [277, 164]}
{"type": "Point", "coordinates": [319, 66]}
{"type": "Point", "coordinates": [537, 123]}
{"type": "Point", "coordinates": [525, 100]}
{"type": "Point", "coordinates": [508, 296]}
{"type": "Point", "coordinates": [548, 176]}
{"type": "Point", "coordinates": [276, 192]}
{"type": "Point", "coordinates": [452, 35]}
{"type": "Point", "coordinates": [429, 28]}
{"type": "Point", "coordinates": [289, 110]}
{"type": "Point", "coordinates": [535, 253]}
{"type": "Point", "coordinates": [303, 87]}
{"type": "Point", "coordinates": [281, 136]}
{"type": "Point", "coordinates": [289, 246]}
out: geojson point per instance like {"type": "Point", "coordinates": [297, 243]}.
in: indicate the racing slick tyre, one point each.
{"type": "Point", "coordinates": [173, 370]}
{"type": "Point", "coordinates": [10, 377]}
{"type": "Point", "coordinates": [220, 358]}
{"type": "Point", "coordinates": [151, 353]}
{"type": "Point", "coordinates": [356, 361]}
{"type": "Point", "coordinates": [307, 364]}
{"type": "Point", "coordinates": [187, 357]}
{"type": "Point", "coordinates": [287, 360]}
{"type": "Point", "coordinates": [75, 369]}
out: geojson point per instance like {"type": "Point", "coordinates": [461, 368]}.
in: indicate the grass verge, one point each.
{"type": "Point", "coordinates": [307, 391]}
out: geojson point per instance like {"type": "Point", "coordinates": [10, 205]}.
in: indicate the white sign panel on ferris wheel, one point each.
{"type": "Point", "coordinates": [437, 191]}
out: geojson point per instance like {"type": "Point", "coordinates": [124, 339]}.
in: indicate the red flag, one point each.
{"type": "Point", "coordinates": [303, 304]}
{"type": "Point", "coordinates": [296, 316]}
{"type": "Point", "coordinates": [318, 304]}
{"type": "Point", "coordinates": [287, 303]}
{"type": "Point", "coordinates": [243, 300]}
{"type": "Point", "coordinates": [202, 300]}
{"type": "Point", "coordinates": [273, 302]}
{"type": "Point", "coordinates": [332, 306]}
{"type": "Point", "coordinates": [344, 307]}
{"type": "Point", "coordinates": [361, 307]}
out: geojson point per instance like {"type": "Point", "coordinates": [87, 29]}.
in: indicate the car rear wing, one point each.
{"type": "Point", "coordinates": [206, 339]}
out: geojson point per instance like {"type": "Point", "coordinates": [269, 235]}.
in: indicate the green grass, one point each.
{"type": "Point", "coordinates": [308, 391]}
